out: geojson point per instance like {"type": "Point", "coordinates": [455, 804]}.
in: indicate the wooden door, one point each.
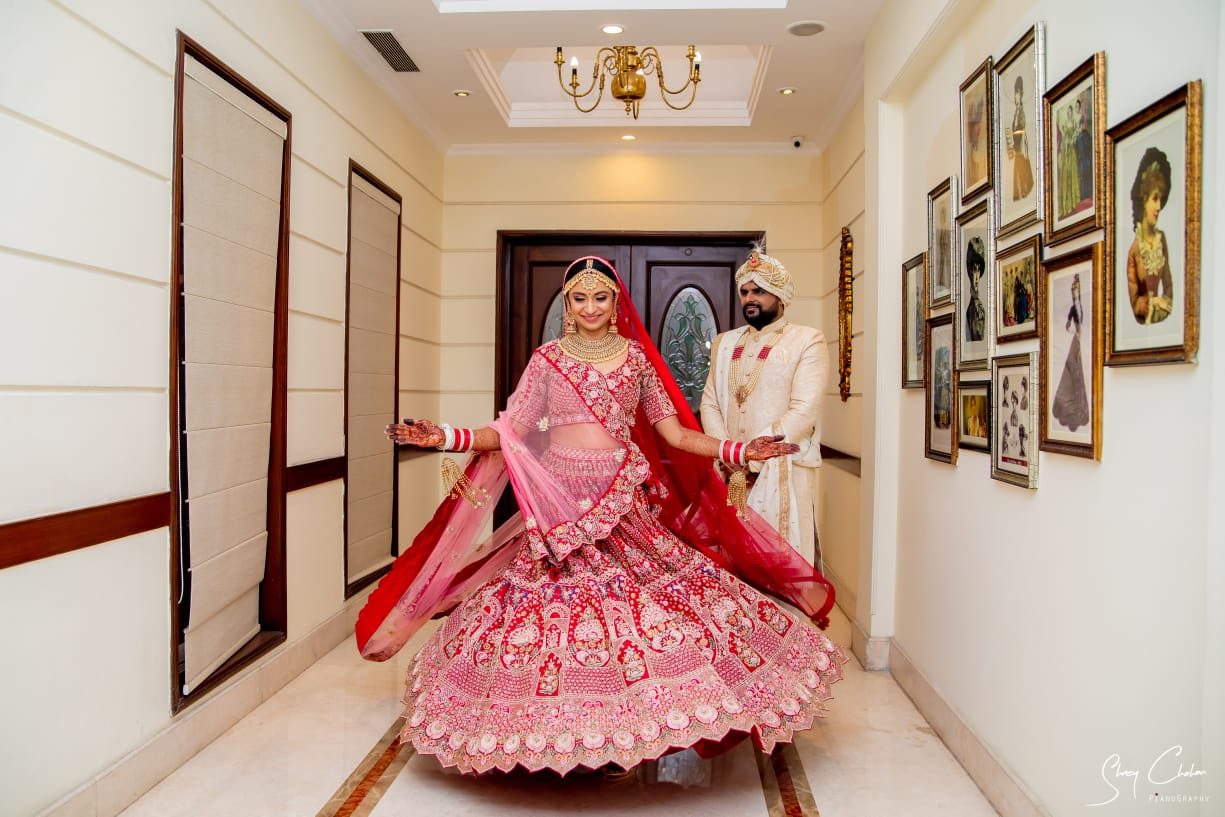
{"type": "Point", "coordinates": [682, 285]}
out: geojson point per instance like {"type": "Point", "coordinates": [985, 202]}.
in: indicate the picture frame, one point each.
{"type": "Point", "coordinates": [1073, 138]}
{"type": "Point", "coordinates": [1018, 82]}
{"type": "Point", "coordinates": [976, 121]}
{"type": "Point", "coordinates": [973, 414]}
{"type": "Point", "coordinates": [940, 443]}
{"type": "Point", "coordinates": [941, 215]}
{"type": "Point", "coordinates": [1160, 146]}
{"type": "Point", "coordinates": [973, 308]}
{"type": "Point", "coordinates": [1070, 366]}
{"type": "Point", "coordinates": [914, 319]}
{"type": "Point", "coordinates": [1014, 414]}
{"type": "Point", "coordinates": [1015, 290]}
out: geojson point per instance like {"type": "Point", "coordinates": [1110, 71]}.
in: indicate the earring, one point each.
{"type": "Point", "coordinates": [569, 324]}
{"type": "Point", "coordinates": [612, 325]}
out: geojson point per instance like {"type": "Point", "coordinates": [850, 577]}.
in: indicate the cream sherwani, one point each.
{"type": "Point", "coordinates": [787, 401]}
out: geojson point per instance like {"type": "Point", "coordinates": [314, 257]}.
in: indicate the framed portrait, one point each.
{"type": "Point", "coordinates": [941, 211]}
{"type": "Point", "coordinates": [1073, 131]}
{"type": "Point", "coordinates": [940, 443]}
{"type": "Point", "coordinates": [976, 137]}
{"type": "Point", "coordinates": [1014, 417]}
{"type": "Point", "coordinates": [1153, 187]}
{"type": "Point", "coordinates": [973, 414]}
{"type": "Point", "coordinates": [914, 320]}
{"type": "Point", "coordinates": [1071, 354]}
{"type": "Point", "coordinates": [975, 250]}
{"type": "Point", "coordinates": [1015, 290]}
{"type": "Point", "coordinates": [1019, 78]}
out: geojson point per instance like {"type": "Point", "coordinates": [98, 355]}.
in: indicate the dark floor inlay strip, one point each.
{"type": "Point", "coordinates": [363, 789]}
{"type": "Point", "coordinates": [784, 783]}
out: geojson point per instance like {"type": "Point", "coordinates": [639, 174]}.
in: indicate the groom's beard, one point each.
{"type": "Point", "coordinates": [759, 316]}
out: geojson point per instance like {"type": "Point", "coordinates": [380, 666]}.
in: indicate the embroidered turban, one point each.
{"type": "Point", "coordinates": [769, 274]}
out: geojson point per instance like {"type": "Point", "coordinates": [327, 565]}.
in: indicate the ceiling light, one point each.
{"type": "Point", "coordinates": [625, 68]}
{"type": "Point", "coordinates": [462, 93]}
{"type": "Point", "coordinates": [806, 28]}
{"type": "Point", "coordinates": [629, 137]}
{"type": "Point", "coordinates": [614, 29]}
{"type": "Point", "coordinates": [786, 91]}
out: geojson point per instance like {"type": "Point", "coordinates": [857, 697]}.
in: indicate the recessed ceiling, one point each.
{"type": "Point", "coordinates": [503, 52]}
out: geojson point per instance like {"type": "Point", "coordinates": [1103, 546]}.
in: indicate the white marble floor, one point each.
{"type": "Point", "coordinates": [323, 746]}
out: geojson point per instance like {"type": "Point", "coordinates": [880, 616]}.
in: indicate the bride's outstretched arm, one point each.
{"type": "Point", "coordinates": [695, 442]}
{"type": "Point", "coordinates": [425, 434]}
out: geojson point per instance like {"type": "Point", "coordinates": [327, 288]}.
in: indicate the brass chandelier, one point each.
{"type": "Point", "coordinates": [627, 67]}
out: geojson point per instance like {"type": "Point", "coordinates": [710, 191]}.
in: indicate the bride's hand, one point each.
{"type": "Point", "coordinates": [421, 433]}
{"type": "Point", "coordinates": [767, 447]}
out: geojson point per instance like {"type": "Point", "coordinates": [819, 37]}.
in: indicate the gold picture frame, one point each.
{"type": "Point", "coordinates": [941, 224]}
{"type": "Point", "coordinates": [1014, 412]}
{"type": "Point", "coordinates": [975, 107]}
{"type": "Point", "coordinates": [846, 308]}
{"type": "Point", "coordinates": [1155, 320]}
{"type": "Point", "coordinates": [1070, 365]}
{"type": "Point", "coordinates": [940, 416]}
{"type": "Point", "coordinates": [1014, 288]}
{"type": "Point", "coordinates": [1018, 79]}
{"type": "Point", "coordinates": [973, 301]}
{"type": "Point", "coordinates": [973, 414]}
{"type": "Point", "coordinates": [1073, 139]}
{"type": "Point", "coordinates": [914, 319]}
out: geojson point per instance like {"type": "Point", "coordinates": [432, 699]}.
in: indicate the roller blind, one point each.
{"type": "Point", "coordinates": [233, 157]}
{"type": "Point", "coordinates": [373, 292]}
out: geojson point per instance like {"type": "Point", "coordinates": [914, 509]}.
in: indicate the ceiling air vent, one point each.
{"type": "Point", "coordinates": [386, 44]}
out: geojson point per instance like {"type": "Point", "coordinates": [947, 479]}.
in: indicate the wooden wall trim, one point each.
{"type": "Point", "coordinates": [33, 539]}
{"type": "Point", "coordinates": [840, 459]}
{"type": "Point", "coordinates": [309, 474]}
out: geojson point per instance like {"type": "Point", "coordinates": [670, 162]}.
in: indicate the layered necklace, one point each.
{"type": "Point", "coordinates": [585, 350]}
{"type": "Point", "coordinates": [745, 385]}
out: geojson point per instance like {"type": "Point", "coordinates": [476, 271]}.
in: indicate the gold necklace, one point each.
{"type": "Point", "coordinates": [585, 350]}
{"type": "Point", "coordinates": [745, 386]}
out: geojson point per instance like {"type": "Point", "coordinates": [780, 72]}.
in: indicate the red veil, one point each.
{"type": "Point", "coordinates": [446, 561]}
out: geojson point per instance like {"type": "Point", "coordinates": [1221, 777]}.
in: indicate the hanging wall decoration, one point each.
{"type": "Point", "coordinates": [1014, 392]}
{"type": "Point", "coordinates": [941, 213]}
{"type": "Point", "coordinates": [976, 137]}
{"type": "Point", "coordinates": [1074, 126]}
{"type": "Point", "coordinates": [1153, 172]}
{"type": "Point", "coordinates": [1019, 78]}
{"type": "Point", "coordinates": [975, 254]}
{"type": "Point", "coordinates": [1071, 352]}
{"type": "Point", "coordinates": [846, 280]}
{"type": "Point", "coordinates": [940, 442]}
{"type": "Point", "coordinates": [914, 314]}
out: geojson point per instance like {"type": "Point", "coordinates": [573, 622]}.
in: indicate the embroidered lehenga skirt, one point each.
{"type": "Point", "coordinates": [632, 647]}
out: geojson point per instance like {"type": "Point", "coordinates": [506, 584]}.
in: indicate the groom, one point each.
{"type": "Point", "coordinates": [768, 378]}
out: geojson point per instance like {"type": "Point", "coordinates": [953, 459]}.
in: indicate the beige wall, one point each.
{"type": "Point", "coordinates": [1067, 624]}
{"type": "Point", "coordinates": [779, 194]}
{"type": "Point", "coordinates": [85, 232]}
{"type": "Point", "coordinates": [839, 496]}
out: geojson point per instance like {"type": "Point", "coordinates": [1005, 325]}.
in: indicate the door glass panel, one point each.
{"type": "Point", "coordinates": [688, 329]}
{"type": "Point", "coordinates": [552, 328]}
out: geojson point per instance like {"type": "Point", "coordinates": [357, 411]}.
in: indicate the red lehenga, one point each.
{"type": "Point", "coordinates": [605, 623]}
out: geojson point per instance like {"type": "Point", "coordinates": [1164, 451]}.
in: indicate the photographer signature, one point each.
{"type": "Point", "coordinates": [1160, 772]}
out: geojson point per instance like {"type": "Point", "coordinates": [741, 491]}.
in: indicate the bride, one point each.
{"type": "Point", "coordinates": [625, 612]}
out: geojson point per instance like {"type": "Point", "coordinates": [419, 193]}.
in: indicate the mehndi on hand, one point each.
{"type": "Point", "coordinates": [420, 433]}
{"type": "Point", "coordinates": [767, 447]}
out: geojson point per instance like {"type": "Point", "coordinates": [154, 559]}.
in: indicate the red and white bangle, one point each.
{"type": "Point", "coordinates": [456, 439]}
{"type": "Point", "coordinates": [732, 452]}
